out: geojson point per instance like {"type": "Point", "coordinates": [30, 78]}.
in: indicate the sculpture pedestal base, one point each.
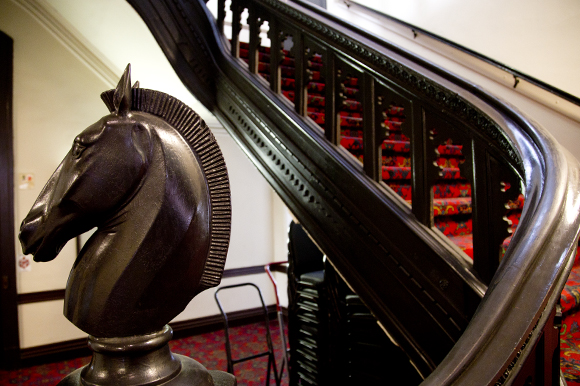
{"type": "Point", "coordinates": [143, 360]}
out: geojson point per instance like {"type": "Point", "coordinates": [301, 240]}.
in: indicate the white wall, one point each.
{"type": "Point", "coordinates": [44, 126]}
{"type": "Point", "coordinates": [57, 94]}
{"type": "Point", "coordinates": [115, 30]}
{"type": "Point", "coordinates": [536, 37]}
{"type": "Point", "coordinates": [560, 118]}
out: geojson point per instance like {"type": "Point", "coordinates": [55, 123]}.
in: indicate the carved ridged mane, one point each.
{"type": "Point", "coordinates": [201, 140]}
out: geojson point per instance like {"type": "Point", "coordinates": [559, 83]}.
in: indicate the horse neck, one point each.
{"type": "Point", "coordinates": [144, 252]}
{"type": "Point", "coordinates": [153, 206]}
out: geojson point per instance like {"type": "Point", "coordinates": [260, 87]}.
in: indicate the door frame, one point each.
{"type": "Point", "coordinates": [9, 337]}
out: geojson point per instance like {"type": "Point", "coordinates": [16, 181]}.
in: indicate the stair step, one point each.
{"type": "Point", "coordinates": [570, 298]}
{"type": "Point", "coordinates": [404, 173]}
{"type": "Point", "coordinates": [402, 146]}
{"type": "Point", "coordinates": [403, 190]}
{"type": "Point", "coordinates": [451, 206]}
{"type": "Point", "coordinates": [355, 144]}
{"type": "Point", "coordinates": [396, 173]}
{"type": "Point", "coordinates": [464, 242]}
{"type": "Point", "coordinates": [447, 190]}
{"type": "Point", "coordinates": [570, 330]}
{"type": "Point", "coordinates": [454, 225]}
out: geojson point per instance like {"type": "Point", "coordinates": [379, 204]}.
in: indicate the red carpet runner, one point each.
{"type": "Point", "coordinates": [570, 332]}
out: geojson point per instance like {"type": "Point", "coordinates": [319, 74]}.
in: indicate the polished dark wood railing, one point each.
{"type": "Point", "coordinates": [489, 320]}
{"type": "Point", "coordinates": [485, 152]}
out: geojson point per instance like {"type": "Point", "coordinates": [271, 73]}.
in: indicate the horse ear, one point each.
{"type": "Point", "coordinates": [122, 99]}
{"type": "Point", "coordinates": [136, 84]}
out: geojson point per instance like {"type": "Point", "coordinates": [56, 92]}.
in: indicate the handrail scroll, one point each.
{"type": "Point", "coordinates": [484, 317]}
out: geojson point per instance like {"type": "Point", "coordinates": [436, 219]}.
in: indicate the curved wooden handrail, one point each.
{"type": "Point", "coordinates": [319, 184]}
{"type": "Point", "coordinates": [528, 283]}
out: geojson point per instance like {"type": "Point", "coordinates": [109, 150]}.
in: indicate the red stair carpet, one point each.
{"type": "Point", "coordinates": [570, 332]}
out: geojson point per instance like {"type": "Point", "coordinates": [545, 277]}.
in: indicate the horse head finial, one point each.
{"type": "Point", "coordinates": [123, 96]}
{"type": "Point", "coordinates": [151, 178]}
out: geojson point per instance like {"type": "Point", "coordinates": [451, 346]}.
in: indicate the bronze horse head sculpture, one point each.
{"type": "Point", "coordinates": [151, 177]}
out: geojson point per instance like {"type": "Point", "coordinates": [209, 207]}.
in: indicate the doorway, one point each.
{"type": "Point", "coordinates": [9, 339]}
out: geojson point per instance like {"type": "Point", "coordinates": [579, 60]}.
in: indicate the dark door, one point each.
{"type": "Point", "coordinates": [9, 341]}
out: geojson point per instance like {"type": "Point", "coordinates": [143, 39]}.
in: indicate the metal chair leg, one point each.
{"type": "Point", "coordinates": [269, 353]}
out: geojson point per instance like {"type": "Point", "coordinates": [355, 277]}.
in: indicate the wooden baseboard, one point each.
{"type": "Point", "coordinates": [206, 324]}
{"type": "Point", "coordinates": [76, 348]}
{"type": "Point", "coordinates": [54, 352]}
{"type": "Point", "coordinates": [43, 296]}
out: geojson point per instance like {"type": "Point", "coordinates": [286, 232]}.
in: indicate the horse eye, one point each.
{"type": "Point", "coordinates": [77, 149]}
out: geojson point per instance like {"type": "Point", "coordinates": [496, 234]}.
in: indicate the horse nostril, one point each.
{"type": "Point", "coordinates": [29, 247]}
{"type": "Point", "coordinates": [27, 234]}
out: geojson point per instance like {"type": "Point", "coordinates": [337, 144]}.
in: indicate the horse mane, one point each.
{"type": "Point", "coordinates": [203, 144]}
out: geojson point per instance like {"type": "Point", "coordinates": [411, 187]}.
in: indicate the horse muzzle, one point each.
{"type": "Point", "coordinates": [29, 235]}
{"type": "Point", "coordinates": [35, 241]}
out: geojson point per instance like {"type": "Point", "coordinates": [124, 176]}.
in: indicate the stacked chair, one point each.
{"type": "Point", "coordinates": [308, 315]}
{"type": "Point", "coordinates": [334, 339]}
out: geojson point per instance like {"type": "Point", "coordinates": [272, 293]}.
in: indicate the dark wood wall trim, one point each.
{"type": "Point", "coordinates": [9, 341]}
{"type": "Point", "coordinates": [252, 270]}
{"type": "Point", "coordinates": [59, 351]}
{"type": "Point", "coordinates": [206, 324]}
{"type": "Point", "coordinates": [44, 296]}
{"type": "Point", "coordinates": [78, 347]}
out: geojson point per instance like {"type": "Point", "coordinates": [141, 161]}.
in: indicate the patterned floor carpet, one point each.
{"type": "Point", "coordinates": [209, 349]}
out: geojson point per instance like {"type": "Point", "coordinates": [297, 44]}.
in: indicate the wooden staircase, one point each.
{"type": "Point", "coordinates": [451, 200]}
{"type": "Point", "coordinates": [382, 156]}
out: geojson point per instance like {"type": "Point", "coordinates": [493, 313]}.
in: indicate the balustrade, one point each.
{"type": "Point", "coordinates": [445, 167]}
